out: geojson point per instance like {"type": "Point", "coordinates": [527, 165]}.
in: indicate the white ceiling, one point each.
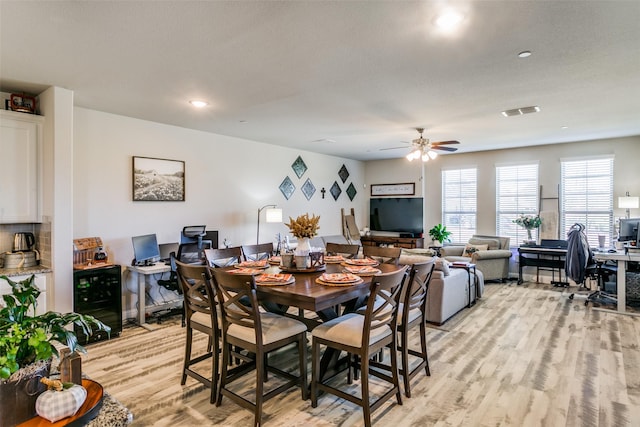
{"type": "Point", "coordinates": [346, 78]}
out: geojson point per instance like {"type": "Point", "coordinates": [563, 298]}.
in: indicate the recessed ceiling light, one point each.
{"type": "Point", "coordinates": [524, 54]}
{"type": "Point", "coordinates": [564, 127]}
{"type": "Point", "coordinates": [449, 20]}
{"type": "Point", "coordinates": [198, 104]}
{"type": "Point", "coordinates": [520, 111]}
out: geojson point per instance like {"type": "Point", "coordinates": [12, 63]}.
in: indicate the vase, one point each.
{"type": "Point", "coordinates": [304, 247]}
{"type": "Point", "coordinates": [529, 237]}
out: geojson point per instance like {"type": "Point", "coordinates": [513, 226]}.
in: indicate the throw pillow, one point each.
{"type": "Point", "coordinates": [442, 265]}
{"type": "Point", "coordinates": [470, 249]}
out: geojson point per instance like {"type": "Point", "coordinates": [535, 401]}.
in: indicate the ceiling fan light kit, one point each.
{"type": "Point", "coordinates": [424, 149]}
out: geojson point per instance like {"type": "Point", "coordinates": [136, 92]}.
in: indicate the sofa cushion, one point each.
{"type": "Point", "coordinates": [469, 249]}
{"type": "Point", "coordinates": [492, 244]}
{"type": "Point", "coordinates": [442, 265]}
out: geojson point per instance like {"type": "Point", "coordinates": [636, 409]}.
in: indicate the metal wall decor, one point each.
{"type": "Point", "coordinates": [335, 190]}
{"type": "Point", "coordinates": [287, 188]}
{"type": "Point", "coordinates": [299, 167]}
{"type": "Point", "coordinates": [158, 180]}
{"type": "Point", "coordinates": [308, 189]}
{"type": "Point", "coordinates": [343, 173]}
{"type": "Point", "coordinates": [351, 191]}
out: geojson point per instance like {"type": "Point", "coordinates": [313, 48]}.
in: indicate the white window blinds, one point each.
{"type": "Point", "coordinates": [587, 197]}
{"type": "Point", "coordinates": [459, 206]}
{"type": "Point", "coordinates": [516, 194]}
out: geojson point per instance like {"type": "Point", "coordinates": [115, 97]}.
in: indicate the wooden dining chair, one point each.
{"type": "Point", "coordinates": [201, 315]}
{"type": "Point", "coordinates": [347, 251]}
{"type": "Point", "coordinates": [246, 327]}
{"type": "Point", "coordinates": [382, 254]}
{"type": "Point", "coordinates": [257, 252]}
{"type": "Point", "coordinates": [364, 336]}
{"type": "Point", "coordinates": [411, 314]}
{"type": "Point", "coordinates": [224, 257]}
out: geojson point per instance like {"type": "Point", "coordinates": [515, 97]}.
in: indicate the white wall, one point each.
{"type": "Point", "coordinates": [626, 152]}
{"type": "Point", "coordinates": [227, 180]}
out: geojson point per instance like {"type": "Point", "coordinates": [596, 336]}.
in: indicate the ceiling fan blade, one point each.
{"type": "Point", "coordinates": [445, 142]}
{"type": "Point", "coordinates": [444, 148]}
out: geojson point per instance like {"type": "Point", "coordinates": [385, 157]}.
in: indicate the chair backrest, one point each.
{"type": "Point", "coordinates": [223, 257]}
{"type": "Point", "coordinates": [382, 304]}
{"type": "Point", "coordinates": [257, 252]}
{"type": "Point", "coordinates": [382, 254]}
{"type": "Point", "coordinates": [199, 296]}
{"type": "Point", "coordinates": [415, 292]}
{"type": "Point", "coordinates": [347, 251]}
{"type": "Point", "coordinates": [234, 291]}
{"type": "Point", "coordinates": [192, 253]}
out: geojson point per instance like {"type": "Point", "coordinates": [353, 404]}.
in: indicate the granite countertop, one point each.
{"type": "Point", "coordinates": [38, 269]}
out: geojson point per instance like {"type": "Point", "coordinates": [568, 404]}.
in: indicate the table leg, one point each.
{"type": "Point", "coordinates": [142, 312]}
{"type": "Point", "coordinates": [621, 286]}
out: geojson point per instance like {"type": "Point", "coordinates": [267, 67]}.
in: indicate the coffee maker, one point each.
{"type": "Point", "coordinates": [23, 242]}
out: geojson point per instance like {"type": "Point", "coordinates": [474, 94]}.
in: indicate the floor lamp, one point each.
{"type": "Point", "coordinates": [628, 202]}
{"type": "Point", "coordinates": [273, 214]}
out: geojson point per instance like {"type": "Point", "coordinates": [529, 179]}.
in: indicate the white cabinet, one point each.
{"type": "Point", "coordinates": [41, 283]}
{"type": "Point", "coordinates": [21, 169]}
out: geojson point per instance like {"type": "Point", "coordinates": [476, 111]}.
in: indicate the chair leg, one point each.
{"type": "Point", "coordinates": [366, 407]}
{"type": "Point", "coordinates": [423, 343]}
{"type": "Point", "coordinates": [260, 375]}
{"type": "Point", "coordinates": [226, 350]}
{"type": "Point", "coordinates": [302, 360]}
{"type": "Point", "coordinates": [214, 374]}
{"type": "Point", "coordinates": [187, 355]}
{"type": "Point", "coordinates": [405, 361]}
{"type": "Point", "coordinates": [394, 369]}
{"type": "Point", "coordinates": [315, 372]}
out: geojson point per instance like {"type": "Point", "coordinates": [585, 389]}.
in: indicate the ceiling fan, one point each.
{"type": "Point", "coordinates": [425, 149]}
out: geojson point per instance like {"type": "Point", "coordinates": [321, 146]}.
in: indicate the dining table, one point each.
{"type": "Point", "coordinates": [327, 301]}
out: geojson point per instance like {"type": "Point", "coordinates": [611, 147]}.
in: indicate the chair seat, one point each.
{"type": "Point", "coordinates": [274, 328]}
{"type": "Point", "coordinates": [348, 329]}
{"type": "Point", "coordinates": [413, 314]}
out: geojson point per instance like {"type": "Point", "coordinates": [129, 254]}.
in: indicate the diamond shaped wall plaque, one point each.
{"type": "Point", "coordinates": [299, 167]}
{"type": "Point", "coordinates": [343, 173]}
{"type": "Point", "coordinates": [287, 188]}
{"type": "Point", "coordinates": [308, 189]}
{"type": "Point", "coordinates": [351, 191]}
{"type": "Point", "coordinates": [335, 190]}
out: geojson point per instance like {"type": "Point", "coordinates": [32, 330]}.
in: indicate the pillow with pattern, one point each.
{"type": "Point", "coordinates": [470, 249]}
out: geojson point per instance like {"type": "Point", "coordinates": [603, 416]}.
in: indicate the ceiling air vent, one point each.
{"type": "Point", "coordinates": [520, 111]}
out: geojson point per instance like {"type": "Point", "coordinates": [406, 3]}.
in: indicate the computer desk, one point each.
{"type": "Point", "coordinates": [622, 258]}
{"type": "Point", "coordinates": [143, 274]}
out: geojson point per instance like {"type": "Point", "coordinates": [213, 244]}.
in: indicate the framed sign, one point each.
{"type": "Point", "coordinates": [158, 180]}
{"type": "Point", "coordinates": [404, 189]}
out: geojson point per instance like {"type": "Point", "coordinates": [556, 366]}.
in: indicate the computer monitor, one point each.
{"type": "Point", "coordinates": [628, 229]}
{"type": "Point", "coordinates": [145, 249]}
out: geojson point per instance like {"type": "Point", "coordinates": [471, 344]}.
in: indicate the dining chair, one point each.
{"type": "Point", "coordinates": [347, 251]}
{"type": "Point", "coordinates": [259, 333]}
{"type": "Point", "coordinates": [201, 315]}
{"type": "Point", "coordinates": [257, 252]}
{"type": "Point", "coordinates": [382, 254]}
{"type": "Point", "coordinates": [364, 336]}
{"type": "Point", "coordinates": [411, 314]}
{"type": "Point", "coordinates": [224, 257]}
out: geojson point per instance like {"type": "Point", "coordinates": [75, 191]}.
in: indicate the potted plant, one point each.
{"type": "Point", "coordinates": [528, 222]}
{"type": "Point", "coordinates": [439, 234]}
{"type": "Point", "coordinates": [27, 347]}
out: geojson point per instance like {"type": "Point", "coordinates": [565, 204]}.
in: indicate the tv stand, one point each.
{"type": "Point", "coordinates": [402, 242]}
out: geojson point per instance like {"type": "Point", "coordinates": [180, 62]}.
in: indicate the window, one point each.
{"type": "Point", "coordinates": [459, 188]}
{"type": "Point", "coordinates": [516, 193]}
{"type": "Point", "coordinates": [587, 197]}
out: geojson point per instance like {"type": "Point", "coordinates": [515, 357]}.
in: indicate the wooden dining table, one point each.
{"type": "Point", "coordinates": [307, 294]}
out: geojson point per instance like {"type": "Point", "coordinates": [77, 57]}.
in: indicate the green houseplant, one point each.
{"type": "Point", "coordinates": [439, 233]}
{"type": "Point", "coordinates": [27, 342]}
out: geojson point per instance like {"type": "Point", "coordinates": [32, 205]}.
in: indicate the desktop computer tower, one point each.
{"type": "Point", "coordinates": [98, 292]}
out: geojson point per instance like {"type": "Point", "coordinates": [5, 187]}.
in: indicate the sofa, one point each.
{"type": "Point", "coordinates": [493, 261]}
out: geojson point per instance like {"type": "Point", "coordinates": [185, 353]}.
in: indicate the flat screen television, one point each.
{"type": "Point", "coordinates": [628, 229]}
{"type": "Point", "coordinates": [145, 249]}
{"type": "Point", "coordinates": [397, 214]}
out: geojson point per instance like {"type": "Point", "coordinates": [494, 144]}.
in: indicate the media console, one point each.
{"type": "Point", "coordinates": [402, 242]}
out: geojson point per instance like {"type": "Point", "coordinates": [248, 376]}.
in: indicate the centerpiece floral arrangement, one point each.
{"type": "Point", "coordinates": [528, 222]}
{"type": "Point", "coordinates": [304, 226]}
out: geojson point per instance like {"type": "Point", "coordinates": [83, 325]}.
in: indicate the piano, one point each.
{"type": "Point", "coordinates": [550, 254]}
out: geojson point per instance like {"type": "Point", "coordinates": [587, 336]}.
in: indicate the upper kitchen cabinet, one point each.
{"type": "Point", "coordinates": [21, 169]}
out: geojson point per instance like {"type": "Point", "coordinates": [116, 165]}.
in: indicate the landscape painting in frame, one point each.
{"type": "Point", "coordinates": [158, 180]}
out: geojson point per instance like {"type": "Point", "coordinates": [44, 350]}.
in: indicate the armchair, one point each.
{"type": "Point", "coordinates": [493, 262]}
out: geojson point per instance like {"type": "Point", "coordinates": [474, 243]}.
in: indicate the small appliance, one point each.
{"type": "Point", "coordinates": [23, 242]}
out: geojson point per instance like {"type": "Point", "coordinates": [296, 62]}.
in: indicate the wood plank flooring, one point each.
{"type": "Point", "coordinates": [522, 356]}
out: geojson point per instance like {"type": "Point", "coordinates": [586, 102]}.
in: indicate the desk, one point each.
{"type": "Point", "coordinates": [542, 257]}
{"type": "Point", "coordinates": [622, 259]}
{"type": "Point", "coordinates": [143, 274]}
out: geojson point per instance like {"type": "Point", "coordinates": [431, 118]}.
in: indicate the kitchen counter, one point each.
{"type": "Point", "coordinates": [38, 269]}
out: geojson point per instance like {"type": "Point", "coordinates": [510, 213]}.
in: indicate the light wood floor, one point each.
{"type": "Point", "coordinates": [522, 356]}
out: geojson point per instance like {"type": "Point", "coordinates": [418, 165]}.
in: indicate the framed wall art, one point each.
{"type": "Point", "coordinates": [158, 180]}
{"type": "Point", "coordinates": [403, 189]}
